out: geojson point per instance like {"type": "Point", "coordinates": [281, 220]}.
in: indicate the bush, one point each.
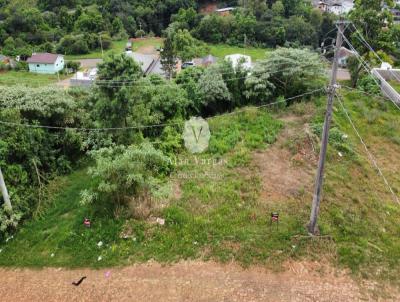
{"type": "Point", "coordinates": [368, 84]}
{"type": "Point", "coordinates": [127, 173]}
{"type": "Point", "coordinates": [8, 221]}
{"type": "Point", "coordinates": [74, 65]}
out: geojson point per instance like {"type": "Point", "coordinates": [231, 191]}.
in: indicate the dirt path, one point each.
{"type": "Point", "coordinates": [185, 281]}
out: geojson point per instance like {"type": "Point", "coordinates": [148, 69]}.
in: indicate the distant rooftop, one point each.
{"type": "Point", "coordinates": [44, 58]}
{"type": "Point", "coordinates": [225, 9]}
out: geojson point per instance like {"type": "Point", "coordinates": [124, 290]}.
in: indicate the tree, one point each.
{"type": "Point", "coordinates": [116, 77]}
{"type": "Point", "coordinates": [295, 71]}
{"type": "Point", "coordinates": [169, 56]}
{"type": "Point", "coordinates": [186, 46]}
{"type": "Point", "coordinates": [369, 17]}
{"type": "Point", "coordinates": [126, 174]}
{"type": "Point", "coordinates": [299, 31]}
{"type": "Point", "coordinates": [258, 86]}
{"type": "Point", "coordinates": [214, 93]}
{"type": "Point", "coordinates": [256, 7]}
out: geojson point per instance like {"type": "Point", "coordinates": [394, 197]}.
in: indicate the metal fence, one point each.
{"type": "Point", "coordinates": [384, 75]}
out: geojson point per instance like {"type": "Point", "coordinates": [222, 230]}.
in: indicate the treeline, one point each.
{"type": "Point", "coordinates": [78, 26]}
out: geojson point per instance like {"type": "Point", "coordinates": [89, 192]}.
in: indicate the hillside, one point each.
{"type": "Point", "coordinates": [222, 211]}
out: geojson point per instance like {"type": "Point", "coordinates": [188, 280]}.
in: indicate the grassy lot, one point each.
{"type": "Point", "coordinates": [27, 78]}
{"type": "Point", "coordinates": [218, 211]}
{"type": "Point", "coordinates": [117, 47]}
{"type": "Point", "coordinates": [217, 50]}
{"type": "Point", "coordinates": [221, 50]}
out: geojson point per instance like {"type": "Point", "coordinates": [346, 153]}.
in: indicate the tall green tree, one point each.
{"type": "Point", "coordinates": [117, 76]}
{"type": "Point", "coordinates": [169, 56]}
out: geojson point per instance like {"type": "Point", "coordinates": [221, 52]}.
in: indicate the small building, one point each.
{"type": "Point", "coordinates": [344, 55]}
{"type": "Point", "coordinates": [46, 63]}
{"type": "Point", "coordinates": [239, 59]}
{"type": "Point", "coordinates": [84, 78]}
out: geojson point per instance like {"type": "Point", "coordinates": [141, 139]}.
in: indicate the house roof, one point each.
{"type": "Point", "coordinates": [225, 9]}
{"type": "Point", "coordinates": [344, 52]}
{"type": "Point", "coordinates": [144, 60]}
{"type": "Point", "coordinates": [45, 58]}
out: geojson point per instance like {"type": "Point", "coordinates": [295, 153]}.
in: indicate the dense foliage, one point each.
{"type": "Point", "coordinates": [79, 26]}
{"type": "Point", "coordinates": [29, 156]}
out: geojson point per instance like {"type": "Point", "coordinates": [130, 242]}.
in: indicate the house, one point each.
{"type": "Point", "coordinates": [84, 78]}
{"type": "Point", "coordinates": [46, 63]}
{"type": "Point", "coordinates": [336, 7]}
{"type": "Point", "coordinates": [239, 59]}
{"type": "Point", "coordinates": [150, 63]}
{"type": "Point", "coordinates": [225, 11]}
{"type": "Point", "coordinates": [344, 55]}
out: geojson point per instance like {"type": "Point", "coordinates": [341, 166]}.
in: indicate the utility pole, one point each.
{"type": "Point", "coordinates": [312, 226]}
{"type": "Point", "coordinates": [101, 45]}
{"type": "Point", "coordinates": [4, 191]}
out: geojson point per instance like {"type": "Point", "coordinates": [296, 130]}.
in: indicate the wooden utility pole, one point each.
{"type": "Point", "coordinates": [4, 191]}
{"type": "Point", "coordinates": [312, 226]}
{"type": "Point", "coordinates": [101, 45]}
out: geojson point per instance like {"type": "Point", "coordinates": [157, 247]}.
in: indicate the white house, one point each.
{"type": "Point", "coordinates": [46, 63]}
{"type": "Point", "coordinates": [84, 78]}
{"type": "Point", "coordinates": [243, 60]}
{"type": "Point", "coordinates": [344, 55]}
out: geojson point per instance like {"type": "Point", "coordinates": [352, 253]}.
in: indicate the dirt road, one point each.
{"type": "Point", "coordinates": [185, 281]}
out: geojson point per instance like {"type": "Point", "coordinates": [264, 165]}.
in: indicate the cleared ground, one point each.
{"type": "Point", "coordinates": [187, 281]}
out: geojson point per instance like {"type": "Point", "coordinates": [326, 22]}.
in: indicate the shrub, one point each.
{"type": "Point", "coordinates": [127, 173]}
{"type": "Point", "coordinates": [9, 220]}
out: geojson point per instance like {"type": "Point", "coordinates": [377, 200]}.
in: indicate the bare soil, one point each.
{"type": "Point", "coordinates": [286, 173]}
{"type": "Point", "coordinates": [185, 281]}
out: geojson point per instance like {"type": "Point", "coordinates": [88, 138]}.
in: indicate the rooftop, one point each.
{"type": "Point", "coordinates": [45, 58]}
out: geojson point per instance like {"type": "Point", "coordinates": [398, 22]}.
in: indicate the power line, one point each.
{"type": "Point", "coordinates": [363, 41]}
{"type": "Point", "coordinates": [154, 125]}
{"type": "Point", "coordinates": [370, 155]}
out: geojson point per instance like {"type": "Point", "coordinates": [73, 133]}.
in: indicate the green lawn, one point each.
{"type": "Point", "coordinates": [221, 50]}
{"type": "Point", "coordinates": [117, 47]}
{"type": "Point", "coordinates": [11, 78]}
{"type": "Point", "coordinates": [217, 50]}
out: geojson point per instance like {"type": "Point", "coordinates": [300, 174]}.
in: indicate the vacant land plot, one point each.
{"type": "Point", "coordinates": [221, 201]}
{"type": "Point", "coordinates": [11, 78]}
{"type": "Point", "coordinates": [222, 50]}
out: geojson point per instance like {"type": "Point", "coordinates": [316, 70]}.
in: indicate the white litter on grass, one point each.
{"type": "Point", "coordinates": [100, 244]}
{"type": "Point", "coordinates": [345, 136]}
{"type": "Point", "coordinates": [134, 238]}
{"type": "Point", "coordinates": [52, 255]}
{"type": "Point", "coordinates": [195, 243]}
{"type": "Point", "coordinates": [1, 250]}
{"type": "Point", "coordinates": [99, 258]}
{"type": "Point", "coordinates": [160, 221]}
{"type": "Point", "coordinates": [293, 246]}
{"type": "Point", "coordinates": [340, 154]}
